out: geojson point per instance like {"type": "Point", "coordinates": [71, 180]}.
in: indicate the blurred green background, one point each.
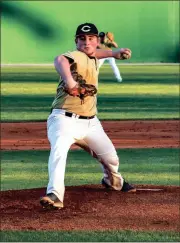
{"type": "Point", "coordinates": [37, 31]}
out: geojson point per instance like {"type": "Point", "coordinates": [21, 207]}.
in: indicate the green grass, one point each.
{"type": "Point", "coordinates": [28, 169]}
{"type": "Point", "coordinates": [88, 236]}
{"type": "Point", "coordinates": [147, 92]}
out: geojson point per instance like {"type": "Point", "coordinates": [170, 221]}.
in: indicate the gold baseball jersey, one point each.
{"type": "Point", "coordinates": [87, 67]}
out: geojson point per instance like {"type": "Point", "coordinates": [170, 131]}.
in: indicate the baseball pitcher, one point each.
{"type": "Point", "coordinates": [73, 118]}
{"type": "Point", "coordinates": [106, 43]}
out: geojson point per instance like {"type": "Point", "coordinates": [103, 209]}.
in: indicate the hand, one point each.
{"type": "Point", "coordinates": [123, 53]}
{"type": "Point", "coordinates": [77, 90]}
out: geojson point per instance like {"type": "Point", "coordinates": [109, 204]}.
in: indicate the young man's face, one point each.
{"type": "Point", "coordinates": [87, 44]}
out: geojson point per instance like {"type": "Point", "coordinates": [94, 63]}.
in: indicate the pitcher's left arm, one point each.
{"type": "Point", "coordinates": [121, 54]}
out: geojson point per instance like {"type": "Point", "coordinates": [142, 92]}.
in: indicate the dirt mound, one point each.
{"type": "Point", "coordinates": [91, 207]}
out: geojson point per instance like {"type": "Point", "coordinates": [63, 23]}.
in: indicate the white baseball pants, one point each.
{"type": "Point", "coordinates": [112, 63]}
{"type": "Point", "coordinates": [63, 131]}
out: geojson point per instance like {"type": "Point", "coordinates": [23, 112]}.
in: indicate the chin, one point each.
{"type": "Point", "coordinates": [89, 53]}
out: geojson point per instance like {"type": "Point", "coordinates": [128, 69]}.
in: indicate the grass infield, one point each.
{"type": "Point", "coordinates": [147, 92]}
{"type": "Point", "coordinates": [28, 169]}
{"type": "Point", "coordinates": [88, 236]}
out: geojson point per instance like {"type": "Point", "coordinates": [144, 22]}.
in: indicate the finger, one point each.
{"type": "Point", "coordinates": [127, 52]}
{"type": "Point", "coordinates": [127, 49]}
{"type": "Point", "coordinates": [75, 92]}
{"type": "Point", "coordinates": [83, 90]}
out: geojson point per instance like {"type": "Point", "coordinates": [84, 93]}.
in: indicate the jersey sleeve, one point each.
{"type": "Point", "coordinates": [69, 56]}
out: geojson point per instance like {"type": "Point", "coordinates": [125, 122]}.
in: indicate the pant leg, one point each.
{"type": "Point", "coordinates": [115, 69]}
{"type": "Point", "coordinates": [101, 147]}
{"type": "Point", "coordinates": [84, 145]}
{"type": "Point", "coordinates": [112, 178]}
{"type": "Point", "coordinates": [60, 138]}
{"type": "Point", "coordinates": [101, 61]}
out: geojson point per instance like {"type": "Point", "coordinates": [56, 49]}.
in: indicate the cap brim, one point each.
{"type": "Point", "coordinates": [87, 34]}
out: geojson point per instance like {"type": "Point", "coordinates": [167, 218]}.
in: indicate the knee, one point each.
{"type": "Point", "coordinates": [111, 159]}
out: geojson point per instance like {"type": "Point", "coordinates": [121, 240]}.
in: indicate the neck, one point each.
{"type": "Point", "coordinates": [93, 54]}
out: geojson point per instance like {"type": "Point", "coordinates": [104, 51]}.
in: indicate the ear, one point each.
{"type": "Point", "coordinates": [76, 40]}
{"type": "Point", "coordinates": [98, 40]}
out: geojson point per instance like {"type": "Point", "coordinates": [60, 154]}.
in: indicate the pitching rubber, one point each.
{"type": "Point", "coordinates": [150, 189]}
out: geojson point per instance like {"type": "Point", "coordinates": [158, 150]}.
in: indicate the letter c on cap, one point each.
{"type": "Point", "coordinates": [86, 28]}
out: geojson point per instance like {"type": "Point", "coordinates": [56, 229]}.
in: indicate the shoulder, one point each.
{"type": "Point", "coordinates": [73, 56]}
{"type": "Point", "coordinates": [77, 54]}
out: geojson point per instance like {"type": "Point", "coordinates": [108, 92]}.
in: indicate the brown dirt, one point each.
{"type": "Point", "coordinates": [91, 207]}
{"type": "Point", "coordinates": [124, 134]}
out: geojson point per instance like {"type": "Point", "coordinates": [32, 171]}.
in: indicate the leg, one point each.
{"type": "Point", "coordinates": [115, 69]}
{"type": "Point", "coordinates": [111, 176]}
{"type": "Point", "coordinates": [101, 61]}
{"type": "Point", "coordinates": [60, 138]}
{"type": "Point", "coordinates": [82, 144]}
{"type": "Point", "coordinates": [56, 165]}
{"type": "Point", "coordinates": [99, 146]}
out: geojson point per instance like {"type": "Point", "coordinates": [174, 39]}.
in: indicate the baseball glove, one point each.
{"type": "Point", "coordinates": [81, 89]}
{"type": "Point", "coordinates": [110, 36]}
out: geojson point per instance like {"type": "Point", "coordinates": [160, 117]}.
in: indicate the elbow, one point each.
{"type": "Point", "coordinates": [58, 60]}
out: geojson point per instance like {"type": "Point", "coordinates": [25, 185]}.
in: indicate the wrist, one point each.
{"type": "Point", "coordinates": [71, 83]}
{"type": "Point", "coordinates": [114, 53]}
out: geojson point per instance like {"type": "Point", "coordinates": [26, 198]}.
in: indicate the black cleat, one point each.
{"type": "Point", "coordinates": [51, 201]}
{"type": "Point", "coordinates": [105, 184]}
{"type": "Point", "coordinates": [126, 186]}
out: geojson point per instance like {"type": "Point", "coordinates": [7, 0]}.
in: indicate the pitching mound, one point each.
{"type": "Point", "coordinates": [91, 207]}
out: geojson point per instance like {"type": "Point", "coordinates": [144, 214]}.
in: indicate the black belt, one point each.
{"type": "Point", "coordinates": [80, 117]}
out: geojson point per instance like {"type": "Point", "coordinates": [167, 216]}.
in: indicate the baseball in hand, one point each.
{"type": "Point", "coordinates": [125, 56]}
{"type": "Point", "coordinates": [123, 53]}
{"type": "Point", "coordinates": [126, 53]}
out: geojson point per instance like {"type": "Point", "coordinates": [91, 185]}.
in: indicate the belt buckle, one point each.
{"type": "Point", "coordinates": [75, 115]}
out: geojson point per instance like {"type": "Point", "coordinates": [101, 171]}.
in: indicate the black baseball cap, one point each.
{"type": "Point", "coordinates": [87, 29]}
{"type": "Point", "coordinates": [102, 34]}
